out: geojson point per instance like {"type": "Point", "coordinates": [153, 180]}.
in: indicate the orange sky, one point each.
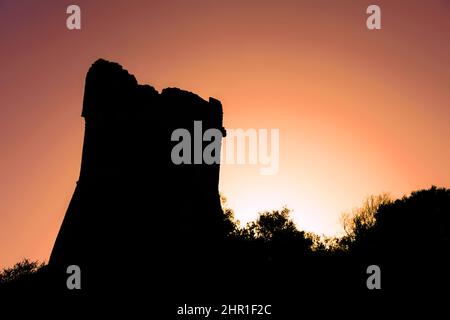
{"type": "Point", "coordinates": [359, 112]}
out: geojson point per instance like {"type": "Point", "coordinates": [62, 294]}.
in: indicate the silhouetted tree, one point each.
{"type": "Point", "coordinates": [358, 224]}
{"type": "Point", "coordinates": [412, 227]}
{"type": "Point", "coordinates": [276, 235]}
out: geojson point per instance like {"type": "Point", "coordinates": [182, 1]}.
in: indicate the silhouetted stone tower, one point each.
{"type": "Point", "coordinates": [131, 201]}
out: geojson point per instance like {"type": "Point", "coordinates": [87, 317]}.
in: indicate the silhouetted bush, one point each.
{"type": "Point", "coordinates": [20, 271]}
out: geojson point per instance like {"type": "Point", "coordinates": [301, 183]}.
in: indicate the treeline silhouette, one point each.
{"type": "Point", "coordinates": [411, 233]}
{"type": "Point", "coordinates": [414, 225]}
{"type": "Point", "coordinates": [271, 261]}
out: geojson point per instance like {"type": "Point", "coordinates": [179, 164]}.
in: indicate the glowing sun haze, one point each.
{"type": "Point", "coordinates": [359, 112]}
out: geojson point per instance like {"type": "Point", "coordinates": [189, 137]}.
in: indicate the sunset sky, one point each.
{"type": "Point", "coordinates": [360, 112]}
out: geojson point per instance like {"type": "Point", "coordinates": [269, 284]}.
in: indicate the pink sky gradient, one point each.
{"type": "Point", "coordinates": [360, 112]}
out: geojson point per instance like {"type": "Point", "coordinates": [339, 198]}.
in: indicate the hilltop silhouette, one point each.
{"type": "Point", "coordinates": [140, 226]}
